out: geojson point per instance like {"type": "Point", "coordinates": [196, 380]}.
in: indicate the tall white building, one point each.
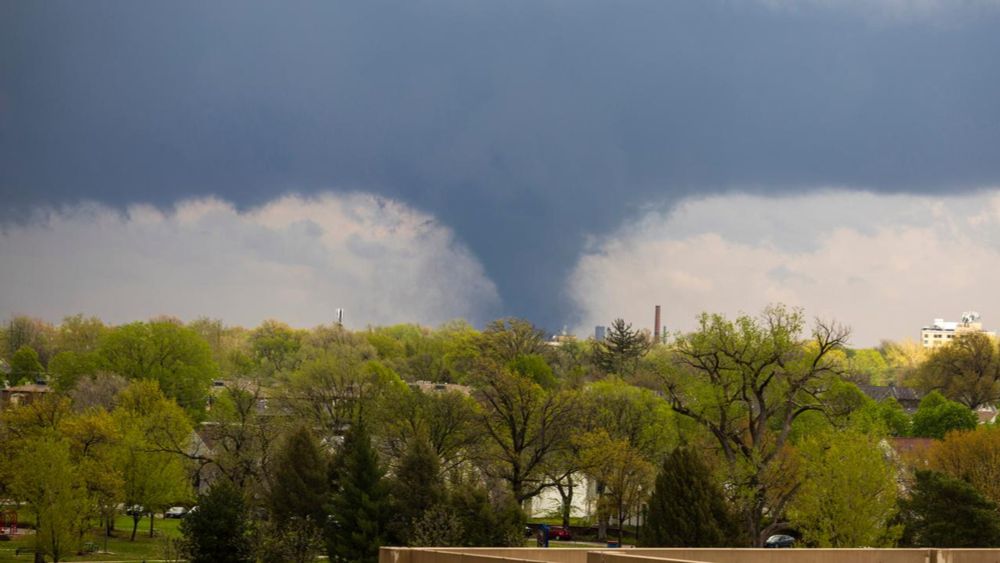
{"type": "Point", "coordinates": [941, 332]}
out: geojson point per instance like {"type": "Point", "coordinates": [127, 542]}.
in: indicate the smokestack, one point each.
{"type": "Point", "coordinates": [656, 326]}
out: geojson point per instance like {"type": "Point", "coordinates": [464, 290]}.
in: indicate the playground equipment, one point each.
{"type": "Point", "coordinates": [8, 522]}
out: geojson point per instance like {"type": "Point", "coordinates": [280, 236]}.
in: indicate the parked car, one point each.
{"type": "Point", "coordinates": [135, 509]}
{"type": "Point", "coordinates": [780, 540]}
{"type": "Point", "coordinates": [175, 512]}
{"type": "Point", "coordinates": [559, 533]}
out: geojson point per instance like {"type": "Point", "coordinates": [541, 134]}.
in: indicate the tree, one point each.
{"type": "Point", "coordinates": [746, 382]}
{"type": "Point", "coordinates": [299, 494]}
{"type": "Point", "coordinates": [619, 353]}
{"type": "Point", "coordinates": [219, 531]}
{"type": "Point", "coordinates": [416, 487]}
{"type": "Point", "coordinates": [46, 479]}
{"type": "Point", "coordinates": [687, 507]}
{"type": "Point", "coordinates": [24, 366]}
{"type": "Point", "coordinates": [170, 354]}
{"type": "Point", "coordinates": [275, 346]}
{"type": "Point", "coordinates": [947, 512]}
{"type": "Point", "coordinates": [848, 492]}
{"type": "Point", "coordinates": [151, 427]}
{"type": "Point", "coordinates": [360, 506]}
{"type": "Point", "coordinates": [485, 521]}
{"type": "Point", "coordinates": [867, 366]}
{"type": "Point", "coordinates": [621, 469]}
{"type": "Point", "coordinates": [937, 416]}
{"type": "Point", "coordinates": [966, 370]}
{"type": "Point", "coordinates": [504, 340]}
{"type": "Point", "coordinates": [339, 386]}
{"type": "Point", "coordinates": [973, 457]}
{"type": "Point", "coordinates": [524, 426]}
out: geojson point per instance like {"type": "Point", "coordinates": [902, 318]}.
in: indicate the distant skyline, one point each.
{"type": "Point", "coordinates": [566, 162]}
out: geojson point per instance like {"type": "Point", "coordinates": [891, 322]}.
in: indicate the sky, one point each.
{"type": "Point", "coordinates": [564, 161]}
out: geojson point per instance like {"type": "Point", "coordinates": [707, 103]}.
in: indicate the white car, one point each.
{"type": "Point", "coordinates": [175, 512]}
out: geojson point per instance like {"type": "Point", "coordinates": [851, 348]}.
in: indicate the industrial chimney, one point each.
{"type": "Point", "coordinates": [656, 326]}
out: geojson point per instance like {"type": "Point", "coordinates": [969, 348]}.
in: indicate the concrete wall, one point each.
{"type": "Point", "coordinates": [685, 555]}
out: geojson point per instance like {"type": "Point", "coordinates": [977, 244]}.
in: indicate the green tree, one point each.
{"type": "Point", "coordinates": [687, 507]}
{"type": "Point", "coordinates": [485, 522]}
{"type": "Point", "coordinates": [152, 429]}
{"type": "Point", "coordinates": [624, 474]}
{"type": "Point", "coordinates": [360, 507]}
{"type": "Point", "coordinates": [847, 497]}
{"type": "Point", "coordinates": [275, 346]}
{"type": "Point", "coordinates": [867, 366]}
{"type": "Point", "coordinates": [966, 370]}
{"type": "Point", "coordinates": [947, 512]}
{"type": "Point", "coordinates": [67, 368]}
{"type": "Point", "coordinates": [621, 349]}
{"type": "Point", "coordinates": [298, 495]}
{"type": "Point", "coordinates": [937, 416]}
{"type": "Point", "coordinates": [46, 479]}
{"type": "Point", "coordinates": [973, 457]}
{"type": "Point", "coordinates": [505, 340]}
{"type": "Point", "coordinates": [416, 486]}
{"type": "Point", "coordinates": [24, 366]}
{"type": "Point", "coordinates": [535, 368]}
{"type": "Point", "coordinates": [524, 424]}
{"type": "Point", "coordinates": [746, 382]}
{"type": "Point", "coordinates": [219, 531]}
{"type": "Point", "coordinates": [170, 354]}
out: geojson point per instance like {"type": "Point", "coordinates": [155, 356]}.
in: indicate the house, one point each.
{"type": "Point", "coordinates": [907, 397]}
{"type": "Point", "coordinates": [22, 394]}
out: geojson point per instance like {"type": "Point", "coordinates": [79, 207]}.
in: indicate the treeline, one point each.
{"type": "Point", "coordinates": [298, 442]}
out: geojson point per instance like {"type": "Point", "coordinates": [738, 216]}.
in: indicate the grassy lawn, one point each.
{"type": "Point", "coordinates": [119, 546]}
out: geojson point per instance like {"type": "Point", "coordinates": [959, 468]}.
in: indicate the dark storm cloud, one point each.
{"type": "Point", "coordinates": [522, 125]}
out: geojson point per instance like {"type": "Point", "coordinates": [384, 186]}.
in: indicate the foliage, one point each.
{"type": "Point", "coordinates": [620, 351]}
{"type": "Point", "coordinates": [416, 487]}
{"type": "Point", "coordinates": [360, 508]}
{"type": "Point", "coordinates": [486, 522]}
{"type": "Point", "coordinates": [621, 469]}
{"type": "Point", "coordinates": [966, 370]}
{"type": "Point", "coordinates": [24, 366]}
{"type": "Point", "coordinates": [687, 507]}
{"type": "Point", "coordinates": [535, 368]}
{"type": "Point", "coordinates": [867, 365]}
{"type": "Point", "coordinates": [847, 497]}
{"type": "Point", "coordinates": [46, 479]}
{"type": "Point", "coordinates": [505, 340]}
{"type": "Point", "coordinates": [947, 512]}
{"type": "Point", "coordinates": [67, 368]}
{"type": "Point", "coordinates": [937, 416]}
{"type": "Point", "coordinates": [298, 496]}
{"type": "Point", "coordinates": [274, 346]}
{"type": "Point", "coordinates": [219, 531]}
{"type": "Point", "coordinates": [174, 356]}
{"type": "Point", "coordinates": [973, 457]}
{"type": "Point", "coordinates": [746, 382]}
{"type": "Point", "coordinates": [524, 426]}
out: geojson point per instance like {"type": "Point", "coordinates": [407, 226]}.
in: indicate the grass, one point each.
{"type": "Point", "coordinates": [119, 546]}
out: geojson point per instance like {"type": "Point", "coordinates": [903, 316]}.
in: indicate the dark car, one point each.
{"type": "Point", "coordinates": [780, 540]}
{"type": "Point", "coordinates": [559, 533]}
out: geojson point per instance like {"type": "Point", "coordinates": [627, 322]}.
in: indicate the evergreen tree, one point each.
{"type": "Point", "coordinates": [417, 486]}
{"type": "Point", "coordinates": [947, 512]}
{"type": "Point", "coordinates": [360, 506]}
{"type": "Point", "coordinates": [298, 496]}
{"type": "Point", "coordinates": [687, 508]}
{"type": "Point", "coordinates": [218, 531]}
{"type": "Point", "coordinates": [620, 351]}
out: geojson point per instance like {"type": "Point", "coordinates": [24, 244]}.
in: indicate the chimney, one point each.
{"type": "Point", "coordinates": [656, 326]}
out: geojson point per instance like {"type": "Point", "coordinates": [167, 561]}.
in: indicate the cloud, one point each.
{"type": "Point", "coordinates": [295, 259]}
{"type": "Point", "coordinates": [521, 125]}
{"type": "Point", "coordinates": [884, 265]}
